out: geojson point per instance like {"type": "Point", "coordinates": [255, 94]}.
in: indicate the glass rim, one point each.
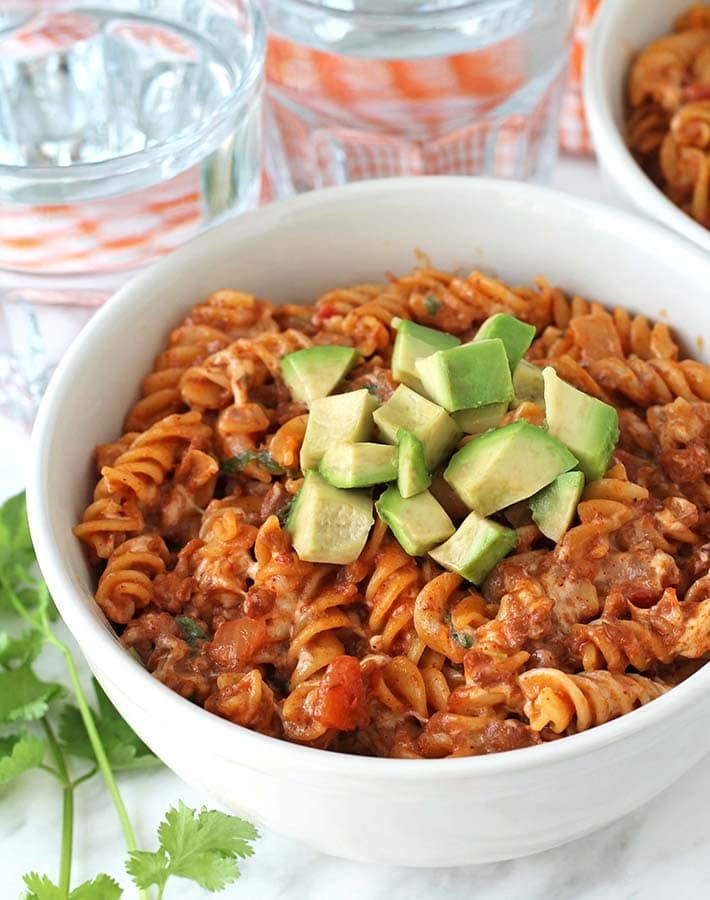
{"type": "Point", "coordinates": [217, 125]}
{"type": "Point", "coordinates": [392, 18]}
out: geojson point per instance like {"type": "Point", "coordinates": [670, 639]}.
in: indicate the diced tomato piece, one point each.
{"type": "Point", "coordinates": [235, 642]}
{"type": "Point", "coordinates": [340, 700]}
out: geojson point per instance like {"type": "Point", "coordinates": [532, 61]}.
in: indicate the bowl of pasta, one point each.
{"type": "Point", "coordinates": [647, 96]}
{"type": "Point", "coordinates": [382, 515]}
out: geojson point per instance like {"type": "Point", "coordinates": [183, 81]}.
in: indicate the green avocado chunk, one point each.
{"type": "Point", "coordinates": [316, 371]}
{"type": "Point", "coordinates": [528, 385]}
{"type": "Point", "coordinates": [553, 507]}
{"type": "Point", "coordinates": [466, 377]}
{"type": "Point", "coordinates": [413, 476]}
{"type": "Point", "coordinates": [428, 422]}
{"type": "Point", "coordinates": [477, 545]}
{"type": "Point", "coordinates": [516, 335]}
{"type": "Point", "coordinates": [412, 343]}
{"type": "Point", "coordinates": [358, 465]}
{"type": "Point", "coordinates": [476, 421]}
{"type": "Point", "coordinates": [342, 417]}
{"type": "Point", "coordinates": [329, 525]}
{"type": "Point", "coordinates": [419, 523]}
{"type": "Point", "coordinates": [505, 465]}
{"type": "Point", "coordinates": [589, 427]}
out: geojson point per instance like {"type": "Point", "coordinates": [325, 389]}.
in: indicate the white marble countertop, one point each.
{"type": "Point", "coordinates": [660, 851]}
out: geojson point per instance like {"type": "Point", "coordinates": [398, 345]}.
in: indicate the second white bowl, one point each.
{"type": "Point", "coordinates": [621, 29]}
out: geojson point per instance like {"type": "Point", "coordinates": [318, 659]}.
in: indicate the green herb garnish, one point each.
{"type": "Point", "coordinates": [192, 631]}
{"type": "Point", "coordinates": [432, 304]}
{"type": "Point", "coordinates": [283, 513]}
{"type": "Point", "coordinates": [241, 460]}
{"type": "Point", "coordinates": [36, 732]}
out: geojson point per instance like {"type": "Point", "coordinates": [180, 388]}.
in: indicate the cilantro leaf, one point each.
{"type": "Point", "coordinates": [103, 887]}
{"type": "Point", "coordinates": [202, 847]}
{"type": "Point", "coordinates": [283, 513]}
{"type": "Point", "coordinates": [20, 649]}
{"type": "Point", "coordinates": [125, 750]}
{"type": "Point", "coordinates": [432, 304]}
{"type": "Point", "coordinates": [23, 695]}
{"type": "Point", "coordinates": [15, 540]}
{"type": "Point", "coordinates": [241, 460]}
{"type": "Point", "coordinates": [18, 754]}
{"type": "Point", "coordinates": [192, 631]}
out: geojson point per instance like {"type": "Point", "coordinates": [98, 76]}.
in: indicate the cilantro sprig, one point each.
{"type": "Point", "coordinates": [239, 462]}
{"type": "Point", "coordinates": [40, 729]}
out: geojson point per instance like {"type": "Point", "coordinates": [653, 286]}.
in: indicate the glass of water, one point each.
{"type": "Point", "coordinates": [374, 88]}
{"type": "Point", "coordinates": [126, 126]}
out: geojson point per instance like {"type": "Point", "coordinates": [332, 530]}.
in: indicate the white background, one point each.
{"type": "Point", "coordinates": [660, 851]}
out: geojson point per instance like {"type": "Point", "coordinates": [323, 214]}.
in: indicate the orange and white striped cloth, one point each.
{"type": "Point", "coordinates": [574, 133]}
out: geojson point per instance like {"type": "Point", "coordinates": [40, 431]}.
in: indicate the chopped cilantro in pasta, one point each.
{"type": "Point", "coordinates": [192, 631]}
{"type": "Point", "coordinates": [432, 304]}
{"type": "Point", "coordinates": [241, 460]}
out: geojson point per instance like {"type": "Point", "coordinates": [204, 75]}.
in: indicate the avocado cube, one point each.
{"type": "Point", "coordinates": [316, 371]}
{"type": "Point", "coordinates": [475, 548]}
{"type": "Point", "coordinates": [342, 417]}
{"type": "Point", "coordinates": [412, 476]}
{"type": "Point", "coordinates": [505, 465]}
{"type": "Point", "coordinates": [466, 377]}
{"type": "Point", "coordinates": [428, 422]}
{"type": "Point", "coordinates": [554, 507]}
{"type": "Point", "coordinates": [528, 385]}
{"type": "Point", "coordinates": [412, 343]}
{"type": "Point", "coordinates": [358, 465]}
{"type": "Point", "coordinates": [329, 525]}
{"type": "Point", "coordinates": [419, 523]}
{"type": "Point", "coordinates": [516, 335]}
{"type": "Point", "coordinates": [589, 427]}
{"type": "Point", "coordinates": [476, 421]}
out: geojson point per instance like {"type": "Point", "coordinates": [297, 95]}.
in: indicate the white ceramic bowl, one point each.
{"type": "Point", "coordinates": [620, 30]}
{"type": "Point", "coordinates": [420, 813]}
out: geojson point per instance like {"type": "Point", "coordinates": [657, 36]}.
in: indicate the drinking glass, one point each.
{"type": "Point", "coordinates": [371, 88]}
{"type": "Point", "coordinates": [126, 126]}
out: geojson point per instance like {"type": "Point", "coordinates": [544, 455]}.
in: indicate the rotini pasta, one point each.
{"type": "Point", "coordinates": [668, 127]}
{"type": "Point", "coordinates": [390, 655]}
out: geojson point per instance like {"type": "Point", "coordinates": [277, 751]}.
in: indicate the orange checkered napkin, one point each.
{"type": "Point", "coordinates": [574, 133]}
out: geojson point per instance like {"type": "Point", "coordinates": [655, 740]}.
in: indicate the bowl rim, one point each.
{"type": "Point", "coordinates": [608, 141]}
{"type": "Point", "coordinates": [237, 743]}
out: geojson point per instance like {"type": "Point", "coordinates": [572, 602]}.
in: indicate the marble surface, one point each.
{"type": "Point", "coordinates": [659, 851]}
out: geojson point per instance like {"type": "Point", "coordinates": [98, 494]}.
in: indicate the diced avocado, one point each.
{"type": "Point", "coordinates": [511, 463]}
{"type": "Point", "coordinates": [475, 548]}
{"type": "Point", "coordinates": [553, 507]}
{"type": "Point", "coordinates": [412, 343]}
{"type": "Point", "coordinates": [358, 465]}
{"type": "Point", "coordinates": [419, 523]}
{"type": "Point", "coordinates": [476, 421]}
{"type": "Point", "coordinates": [413, 476]}
{"type": "Point", "coordinates": [516, 335]}
{"type": "Point", "coordinates": [342, 417]}
{"type": "Point", "coordinates": [315, 372]}
{"type": "Point", "coordinates": [428, 422]}
{"type": "Point", "coordinates": [589, 427]}
{"type": "Point", "coordinates": [329, 525]}
{"type": "Point", "coordinates": [528, 385]}
{"type": "Point", "coordinates": [466, 377]}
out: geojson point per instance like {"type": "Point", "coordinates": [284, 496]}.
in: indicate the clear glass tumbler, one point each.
{"type": "Point", "coordinates": [126, 126]}
{"type": "Point", "coordinates": [373, 88]}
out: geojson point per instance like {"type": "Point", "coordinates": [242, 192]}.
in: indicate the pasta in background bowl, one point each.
{"type": "Point", "coordinates": [385, 810]}
{"type": "Point", "coordinates": [620, 32]}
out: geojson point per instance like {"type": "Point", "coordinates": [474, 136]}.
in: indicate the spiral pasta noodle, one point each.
{"type": "Point", "coordinates": [668, 127]}
{"type": "Point", "coordinates": [390, 655]}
